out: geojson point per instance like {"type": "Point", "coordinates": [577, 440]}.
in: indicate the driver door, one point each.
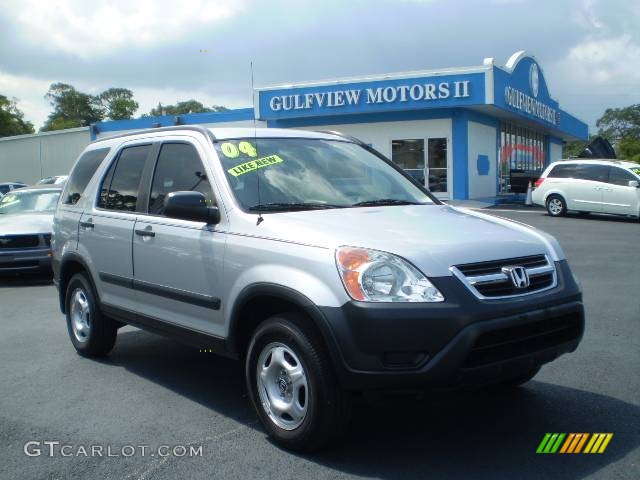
{"type": "Point", "coordinates": [178, 263]}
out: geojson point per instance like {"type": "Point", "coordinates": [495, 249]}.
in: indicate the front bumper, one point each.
{"type": "Point", "coordinates": [459, 342]}
{"type": "Point", "coordinates": [25, 260]}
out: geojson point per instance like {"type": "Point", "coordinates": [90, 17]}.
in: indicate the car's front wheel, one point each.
{"type": "Point", "coordinates": [91, 333]}
{"type": "Point", "coordinates": [292, 385]}
{"type": "Point", "coordinates": [556, 206]}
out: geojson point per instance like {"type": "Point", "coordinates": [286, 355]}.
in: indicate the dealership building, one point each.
{"type": "Point", "coordinates": [468, 133]}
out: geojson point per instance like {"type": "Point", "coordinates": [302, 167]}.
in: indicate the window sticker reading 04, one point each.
{"type": "Point", "coordinates": [234, 150]}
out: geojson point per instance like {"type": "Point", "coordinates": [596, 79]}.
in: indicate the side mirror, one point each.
{"type": "Point", "coordinates": [634, 183]}
{"type": "Point", "coordinates": [190, 206]}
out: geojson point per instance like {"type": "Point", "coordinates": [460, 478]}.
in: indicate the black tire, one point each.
{"type": "Point", "coordinates": [556, 206]}
{"type": "Point", "coordinates": [328, 407]}
{"type": "Point", "coordinates": [99, 336]}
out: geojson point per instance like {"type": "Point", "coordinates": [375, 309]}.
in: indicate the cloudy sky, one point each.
{"type": "Point", "coordinates": [589, 49]}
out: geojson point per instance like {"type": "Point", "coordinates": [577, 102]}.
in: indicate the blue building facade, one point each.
{"type": "Point", "coordinates": [467, 133]}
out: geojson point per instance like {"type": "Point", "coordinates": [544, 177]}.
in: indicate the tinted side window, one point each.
{"type": "Point", "coordinates": [618, 176]}
{"type": "Point", "coordinates": [562, 171]}
{"type": "Point", "coordinates": [86, 166]}
{"type": "Point", "coordinates": [596, 173]}
{"type": "Point", "coordinates": [179, 168]}
{"type": "Point", "coordinates": [122, 192]}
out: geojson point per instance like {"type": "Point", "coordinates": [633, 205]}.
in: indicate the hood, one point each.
{"type": "Point", "coordinates": [26, 223]}
{"type": "Point", "coordinates": [432, 237]}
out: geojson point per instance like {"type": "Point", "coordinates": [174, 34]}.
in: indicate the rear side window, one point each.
{"type": "Point", "coordinates": [86, 166]}
{"type": "Point", "coordinates": [618, 176]}
{"type": "Point", "coordinates": [179, 168]}
{"type": "Point", "coordinates": [562, 171]}
{"type": "Point", "coordinates": [123, 180]}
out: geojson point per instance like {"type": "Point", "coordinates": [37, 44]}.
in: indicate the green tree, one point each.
{"type": "Point", "coordinates": [621, 126]}
{"type": "Point", "coordinates": [189, 106]}
{"type": "Point", "coordinates": [71, 108]}
{"type": "Point", "coordinates": [617, 123]}
{"type": "Point", "coordinates": [573, 149]}
{"type": "Point", "coordinates": [12, 119]}
{"type": "Point", "coordinates": [629, 148]}
{"type": "Point", "coordinates": [118, 103]}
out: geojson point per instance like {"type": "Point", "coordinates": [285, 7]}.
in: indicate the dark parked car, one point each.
{"type": "Point", "coordinates": [8, 186]}
{"type": "Point", "coordinates": [26, 220]}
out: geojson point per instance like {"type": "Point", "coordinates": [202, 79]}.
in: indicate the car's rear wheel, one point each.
{"type": "Point", "coordinates": [292, 385]}
{"type": "Point", "coordinates": [556, 206]}
{"type": "Point", "coordinates": [91, 333]}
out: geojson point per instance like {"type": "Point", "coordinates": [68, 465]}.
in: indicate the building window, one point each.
{"type": "Point", "coordinates": [522, 156]}
{"type": "Point", "coordinates": [409, 155]}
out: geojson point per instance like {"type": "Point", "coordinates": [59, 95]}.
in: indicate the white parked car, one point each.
{"type": "Point", "coordinates": [601, 186]}
{"type": "Point", "coordinates": [55, 180]}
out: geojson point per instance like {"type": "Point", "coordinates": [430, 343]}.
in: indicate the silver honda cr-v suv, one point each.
{"type": "Point", "coordinates": [313, 259]}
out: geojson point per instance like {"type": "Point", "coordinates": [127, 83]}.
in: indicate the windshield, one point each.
{"type": "Point", "coordinates": [300, 173]}
{"type": "Point", "coordinates": [635, 170]}
{"type": "Point", "coordinates": [29, 202]}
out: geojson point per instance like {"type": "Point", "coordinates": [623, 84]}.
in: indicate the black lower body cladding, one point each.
{"type": "Point", "coordinates": [461, 341]}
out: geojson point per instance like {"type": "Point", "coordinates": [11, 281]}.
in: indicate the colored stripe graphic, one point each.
{"type": "Point", "coordinates": [567, 443]}
{"type": "Point", "coordinates": [550, 443]}
{"type": "Point", "coordinates": [574, 442]}
{"type": "Point", "coordinates": [543, 443]}
{"type": "Point", "coordinates": [598, 443]}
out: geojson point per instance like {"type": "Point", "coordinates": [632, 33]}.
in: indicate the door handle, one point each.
{"type": "Point", "coordinates": [145, 233]}
{"type": "Point", "coordinates": [87, 224]}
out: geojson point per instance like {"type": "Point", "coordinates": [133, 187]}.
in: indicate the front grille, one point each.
{"type": "Point", "coordinates": [19, 241]}
{"type": "Point", "coordinates": [510, 342]}
{"type": "Point", "coordinates": [488, 281]}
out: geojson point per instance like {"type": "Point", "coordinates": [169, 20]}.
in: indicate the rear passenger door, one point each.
{"type": "Point", "coordinates": [70, 208]}
{"type": "Point", "coordinates": [178, 263]}
{"type": "Point", "coordinates": [106, 231]}
{"type": "Point", "coordinates": [585, 187]}
{"type": "Point", "coordinates": [618, 196]}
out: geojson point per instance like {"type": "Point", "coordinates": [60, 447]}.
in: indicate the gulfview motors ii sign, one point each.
{"type": "Point", "coordinates": [417, 92]}
{"type": "Point", "coordinates": [528, 104]}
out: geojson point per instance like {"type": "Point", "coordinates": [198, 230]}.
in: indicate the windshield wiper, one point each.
{"type": "Point", "coordinates": [385, 201]}
{"type": "Point", "coordinates": [265, 207]}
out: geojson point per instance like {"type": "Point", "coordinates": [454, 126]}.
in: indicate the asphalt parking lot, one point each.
{"type": "Point", "coordinates": [153, 391]}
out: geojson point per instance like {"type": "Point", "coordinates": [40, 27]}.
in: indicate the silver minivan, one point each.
{"type": "Point", "coordinates": [311, 258]}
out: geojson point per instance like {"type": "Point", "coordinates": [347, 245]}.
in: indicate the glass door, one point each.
{"type": "Point", "coordinates": [408, 154]}
{"type": "Point", "coordinates": [437, 167]}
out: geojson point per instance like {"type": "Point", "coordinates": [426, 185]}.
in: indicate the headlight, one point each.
{"type": "Point", "coordinates": [374, 276]}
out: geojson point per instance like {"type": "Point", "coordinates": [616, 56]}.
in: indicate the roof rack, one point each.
{"type": "Point", "coordinates": [195, 128]}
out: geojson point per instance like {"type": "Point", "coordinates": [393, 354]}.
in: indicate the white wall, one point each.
{"type": "Point", "coordinates": [380, 134]}
{"type": "Point", "coordinates": [555, 152]}
{"type": "Point", "coordinates": [482, 141]}
{"type": "Point", "coordinates": [28, 158]}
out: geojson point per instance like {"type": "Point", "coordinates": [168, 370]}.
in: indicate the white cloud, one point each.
{"type": "Point", "coordinates": [88, 29]}
{"type": "Point", "coordinates": [30, 95]}
{"type": "Point", "coordinates": [606, 60]}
